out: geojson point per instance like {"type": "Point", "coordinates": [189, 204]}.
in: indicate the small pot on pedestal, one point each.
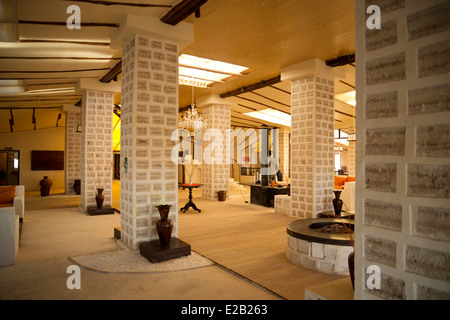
{"type": "Point", "coordinates": [164, 226]}
{"type": "Point", "coordinates": [99, 198]}
{"type": "Point", "coordinates": [45, 184]}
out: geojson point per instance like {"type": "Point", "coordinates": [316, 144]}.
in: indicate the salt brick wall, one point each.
{"type": "Point", "coordinates": [402, 155]}
{"type": "Point", "coordinates": [73, 150]}
{"type": "Point", "coordinates": [351, 158]}
{"type": "Point", "coordinates": [312, 146]}
{"type": "Point", "coordinates": [96, 146]}
{"type": "Point", "coordinates": [283, 154]}
{"type": "Point", "coordinates": [149, 117]}
{"type": "Point", "coordinates": [216, 175]}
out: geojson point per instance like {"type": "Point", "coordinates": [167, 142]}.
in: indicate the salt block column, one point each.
{"type": "Point", "coordinates": [312, 137]}
{"type": "Point", "coordinates": [149, 125]}
{"type": "Point", "coordinates": [73, 146]}
{"type": "Point", "coordinates": [216, 146]}
{"type": "Point", "coordinates": [149, 117]}
{"type": "Point", "coordinates": [96, 147]}
{"type": "Point", "coordinates": [403, 152]}
{"type": "Point", "coordinates": [283, 154]}
{"type": "Point", "coordinates": [351, 158]}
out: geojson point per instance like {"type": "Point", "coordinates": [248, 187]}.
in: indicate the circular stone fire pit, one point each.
{"type": "Point", "coordinates": [320, 244]}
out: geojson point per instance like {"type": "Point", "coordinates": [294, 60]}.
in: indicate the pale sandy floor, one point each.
{"type": "Point", "coordinates": [56, 232]}
{"type": "Point", "coordinates": [51, 237]}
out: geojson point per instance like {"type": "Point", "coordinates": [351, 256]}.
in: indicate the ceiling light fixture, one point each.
{"type": "Point", "coordinates": [347, 97]}
{"type": "Point", "coordinates": [210, 65]}
{"type": "Point", "coordinates": [187, 81]}
{"type": "Point", "coordinates": [271, 115]}
{"type": "Point", "coordinates": [54, 90]}
{"type": "Point", "coordinates": [201, 72]}
{"type": "Point", "coordinates": [191, 120]}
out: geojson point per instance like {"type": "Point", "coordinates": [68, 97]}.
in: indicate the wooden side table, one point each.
{"type": "Point", "coordinates": [190, 203]}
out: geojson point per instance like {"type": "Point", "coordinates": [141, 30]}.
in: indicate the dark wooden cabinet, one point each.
{"type": "Point", "coordinates": [265, 195]}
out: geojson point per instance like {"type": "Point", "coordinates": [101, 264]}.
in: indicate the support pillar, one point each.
{"type": "Point", "coordinates": [216, 146]}
{"type": "Point", "coordinates": [312, 130]}
{"type": "Point", "coordinates": [149, 123]}
{"type": "Point", "coordinates": [73, 146]}
{"type": "Point", "coordinates": [283, 155]}
{"type": "Point", "coordinates": [96, 147]}
{"type": "Point", "coordinates": [403, 152]}
{"type": "Point", "coordinates": [351, 158]}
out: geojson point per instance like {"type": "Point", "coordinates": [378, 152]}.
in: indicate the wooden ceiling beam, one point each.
{"type": "Point", "coordinates": [113, 73]}
{"type": "Point", "coordinates": [250, 88]}
{"type": "Point", "coordinates": [341, 61]}
{"type": "Point", "coordinates": [182, 10]}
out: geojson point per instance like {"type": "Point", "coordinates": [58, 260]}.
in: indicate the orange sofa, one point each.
{"type": "Point", "coordinates": [339, 181]}
{"type": "Point", "coordinates": [7, 194]}
{"type": "Point", "coordinates": [13, 196]}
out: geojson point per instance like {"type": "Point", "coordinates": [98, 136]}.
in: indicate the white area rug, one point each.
{"type": "Point", "coordinates": [132, 262]}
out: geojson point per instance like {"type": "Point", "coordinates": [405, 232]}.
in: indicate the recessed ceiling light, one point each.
{"type": "Point", "coordinates": [205, 71]}
{"type": "Point", "coordinates": [347, 97]}
{"type": "Point", "coordinates": [54, 90]}
{"type": "Point", "coordinates": [271, 115]}
{"type": "Point", "coordinates": [187, 81]}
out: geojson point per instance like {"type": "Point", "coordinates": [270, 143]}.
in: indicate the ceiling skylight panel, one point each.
{"type": "Point", "coordinates": [210, 65]}
{"type": "Point", "coordinates": [202, 74]}
{"type": "Point", "coordinates": [187, 81]}
{"type": "Point", "coordinates": [271, 115]}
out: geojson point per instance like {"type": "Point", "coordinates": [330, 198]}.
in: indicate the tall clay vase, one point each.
{"type": "Point", "coordinates": [99, 198]}
{"type": "Point", "coordinates": [351, 268]}
{"type": "Point", "coordinates": [164, 226]}
{"type": "Point", "coordinates": [45, 184]}
{"type": "Point", "coordinates": [77, 186]}
{"type": "Point", "coordinates": [337, 203]}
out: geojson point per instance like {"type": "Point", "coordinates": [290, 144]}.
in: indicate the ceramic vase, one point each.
{"type": "Point", "coordinates": [337, 203]}
{"type": "Point", "coordinates": [77, 186]}
{"type": "Point", "coordinates": [164, 226]}
{"type": "Point", "coordinates": [99, 198]}
{"type": "Point", "coordinates": [45, 184]}
{"type": "Point", "coordinates": [351, 268]}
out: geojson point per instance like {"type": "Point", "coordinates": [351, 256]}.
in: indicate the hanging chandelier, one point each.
{"type": "Point", "coordinates": [191, 120]}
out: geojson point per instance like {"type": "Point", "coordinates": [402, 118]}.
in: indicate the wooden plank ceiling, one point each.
{"type": "Point", "coordinates": [38, 51]}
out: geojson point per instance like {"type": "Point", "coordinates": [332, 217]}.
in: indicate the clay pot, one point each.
{"type": "Point", "coordinates": [221, 195]}
{"type": "Point", "coordinates": [337, 203]}
{"type": "Point", "coordinates": [45, 184]}
{"type": "Point", "coordinates": [164, 226]}
{"type": "Point", "coordinates": [77, 186]}
{"type": "Point", "coordinates": [351, 268]}
{"type": "Point", "coordinates": [99, 198]}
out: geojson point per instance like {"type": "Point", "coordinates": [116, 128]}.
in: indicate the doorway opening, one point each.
{"type": "Point", "coordinates": [9, 167]}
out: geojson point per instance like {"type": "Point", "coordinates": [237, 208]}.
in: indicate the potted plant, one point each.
{"type": "Point", "coordinates": [100, 198]}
